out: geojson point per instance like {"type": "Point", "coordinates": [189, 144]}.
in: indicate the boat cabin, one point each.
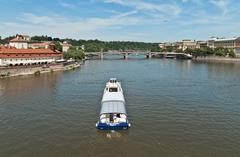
{"type": "Point", "coordinates": [113, 86]}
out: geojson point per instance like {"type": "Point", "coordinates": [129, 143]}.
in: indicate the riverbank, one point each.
{"type": "Point", "coordinates": [217, 59]}
{"type": "Point", "coordinates": [37, 69]}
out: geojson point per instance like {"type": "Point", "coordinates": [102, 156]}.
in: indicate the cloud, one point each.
{"type": "Point", "coordinates": [193, 1]}
{"type": "Point", "coordinates": [126, 19]}
{"type": "Point", "coordinates": [66, 5]}
{"type": "Point", "coordinates": [209, 20]}
{"type": "Point", "coordinates": [157, 8]}
{"type": "Point", "coordinates": [111, 11]}
{"type": "Point", "coordinates": [35, 19]}
{"type": "Point", "coordinates": [222, 4]}
{"type": "Point", "coordinates": [127, 13]}
{"type": "Point", "coordinates": [66, 27]}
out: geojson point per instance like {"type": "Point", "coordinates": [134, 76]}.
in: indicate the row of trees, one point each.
{"type": "Point", "coordinates": [98, 46]}
{"type": "Point", "coordinates": [225, 52]}
{"type": "Point", "coordinates": [6, 40]}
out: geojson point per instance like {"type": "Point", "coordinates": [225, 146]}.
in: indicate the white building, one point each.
{"type": "Point", "coordinates": [230, 43]}
{"type": "Point", "coordinates": [187, 44]}
{"type": "Point", "coordinates": [20, 42]}
{"type": "Point", "coordinates": [202, 44]}
{"type": "Point", "coordinates": [65, 46]}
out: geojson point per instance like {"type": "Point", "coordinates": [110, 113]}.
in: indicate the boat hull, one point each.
{"type": "Point", "coordinates": [120, 126]}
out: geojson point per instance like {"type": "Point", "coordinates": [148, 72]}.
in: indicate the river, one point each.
{"type": "Point", "coordinates": [177, 108]}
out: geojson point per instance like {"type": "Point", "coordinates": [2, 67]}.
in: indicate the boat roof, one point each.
{"type": "Point", "coordinates": [113, 107]}
{"type": "Point", "coordinates": [113, 96]}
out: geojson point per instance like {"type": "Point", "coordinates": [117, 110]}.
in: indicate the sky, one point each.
{"type": "Point", "coordinates": [122, 20]}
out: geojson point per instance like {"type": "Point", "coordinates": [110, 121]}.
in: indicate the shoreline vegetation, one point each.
{"type": "Point", "coordinates": [203, 52]}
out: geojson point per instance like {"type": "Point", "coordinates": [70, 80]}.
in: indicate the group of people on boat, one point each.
{"type": "Point", "coordinates": [113, 118]}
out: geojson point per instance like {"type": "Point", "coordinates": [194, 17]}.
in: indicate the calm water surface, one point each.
{"type": "Point", "coordinates": [176, 108]}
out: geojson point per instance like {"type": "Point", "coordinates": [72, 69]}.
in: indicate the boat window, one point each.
{"type": "Point", "coordinates": [113, 81]}
{"type": "Point", "coordinates": [113, 89]}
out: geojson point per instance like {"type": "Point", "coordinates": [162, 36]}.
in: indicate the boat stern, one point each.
{"type": "Point", "coordinates": [119, 126]}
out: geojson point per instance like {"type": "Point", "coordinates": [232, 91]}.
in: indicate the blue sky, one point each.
{"type": "Point", "coordinates": [132, 20]}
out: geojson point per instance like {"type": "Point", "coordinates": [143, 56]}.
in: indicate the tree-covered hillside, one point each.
{"type": "Point", "coordinates": [97, 45]}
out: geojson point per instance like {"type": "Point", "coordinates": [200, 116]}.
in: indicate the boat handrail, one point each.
{"type": "Point", "coordinates": [113, 113]}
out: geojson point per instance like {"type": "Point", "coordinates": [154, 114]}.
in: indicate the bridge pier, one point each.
{"type": "Point", "coordinates": [125, 55]}
{"type": "Point", "coordinates": [164, 55]}
{"type": "Point", "coordinates": [101, 56]}
{"type": "Point", "coordinates": [149, 55]}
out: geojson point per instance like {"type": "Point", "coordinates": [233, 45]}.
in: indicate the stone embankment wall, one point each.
{"type": "Point", "coordinates": [27, 70]}
{"type": "Point", "coordinates": [217, 59]}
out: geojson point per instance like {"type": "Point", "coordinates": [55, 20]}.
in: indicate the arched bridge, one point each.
{"type": "Point", "coordinates": [100, 55]}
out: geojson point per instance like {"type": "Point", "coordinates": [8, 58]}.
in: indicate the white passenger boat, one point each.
{"type": "Point", "coordinates": [113, 115]}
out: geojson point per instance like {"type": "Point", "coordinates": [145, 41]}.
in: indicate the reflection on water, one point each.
{"type": "Point", "coordinates": [113, 134]}
{"type": "Point", "coordinates": [176, 108]}
{"type": "Point", "coordinates": [29, 83]}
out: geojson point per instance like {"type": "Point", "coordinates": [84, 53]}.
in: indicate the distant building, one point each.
{"type": "Point", "coordinates": [42, 45]}
{"type": "Point", "coordinates": [230, 43]}
{"type": "Point", "coordinates": [65, 46]}
{"type": "Point", "coordinates": [210, 43]}
{"type": "Point", "coordinates": [202, 44]}
{"type": "Point", "coordinates": [187, 44]}
{"type": "Point", "coordinates": [20, 42]}
{"type": "Point", "coordinates": [167, 45]}
{"type": "Point", "coordinates": [11, 56]}
{"type": "Point", "coordinates": [226, 42]}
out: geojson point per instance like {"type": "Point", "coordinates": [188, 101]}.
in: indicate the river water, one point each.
{"type": "Point", "coordinates": [177, 109]}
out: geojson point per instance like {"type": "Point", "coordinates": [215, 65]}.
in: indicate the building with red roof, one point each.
{"type": "Point", "coordinates": [11, 56]}
{"type": "Point", "coordinates": [42, 45]}
{"type": "Point", "coordinates": [21, 52]}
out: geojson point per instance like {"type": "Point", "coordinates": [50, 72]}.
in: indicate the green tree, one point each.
{"type": "Point", "coordinates": [231, 54]}
{"type": "Point", "coordinates": [156, 49]}
{"type": "Point", "coordinates": [41, 38]}
{"type": "Point", "coordinates": [58, 46]}
{"type": "Point", "coordinates": [220, 51]}
{"type": "Point", "coordinates": [179, 51]}
{"type": "Point", "coordinates": [74, 54]}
